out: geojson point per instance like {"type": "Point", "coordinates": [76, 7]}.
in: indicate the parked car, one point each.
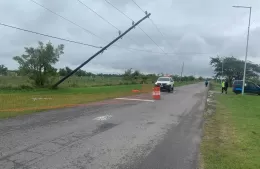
{"type": "Point", "coordinates": [165, 83]}
{"type": "Point", "coordinates": [250, 87]}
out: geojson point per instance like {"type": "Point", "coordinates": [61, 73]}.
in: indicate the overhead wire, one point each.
{"type": "Point", "coordinates": [82, 3]}
{"type": "Point", "coordinates": [50, 36]}
{"type": "Point", "coordinates": [152, 22]}
{"type": "Point", "coordinates": [138, 6]}
{"type": "Point", "coordinates": [86, 30]}
{"type": "Point", "coordinates": [138, 26]}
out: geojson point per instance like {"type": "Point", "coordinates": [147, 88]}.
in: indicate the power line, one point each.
{"type": "Point", "coordinates": [76, 42]}
{"type": "Point", "coordinates": [88, 31]}
{"type": "Point", "coordinates": [152, 40]}
{"type": "Point", "coordinates": [138, 6]}
{"type": "Point", "coordinates": [98, 15]}
{"type": "Point", "coordinates": [138, 26]}
{"type": "Point", "coordinates": [102, 18]}
{"type": "Point", "coordinates": [50, 36]}
{"type": "Point", "coordinates": [91, 32]}
{"type": "Point", "coordinates": [100, 51]}
{"type": "Point", "coordinates": [151, 21]}
{"type": "Point", "coordinates": [81, 43]}
{"type": "Point", "coordinates": [118, 10]}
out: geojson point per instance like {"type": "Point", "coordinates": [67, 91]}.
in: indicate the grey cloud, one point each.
{"type": "Point", "coordinates": [193, 32]}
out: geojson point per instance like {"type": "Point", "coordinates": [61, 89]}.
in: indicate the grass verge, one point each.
{"type": "Point", "coordinates": [14, 103]}
{"type": "Point", "coordinates": [232, 134]}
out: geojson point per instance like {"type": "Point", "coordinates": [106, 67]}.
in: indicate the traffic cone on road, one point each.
{"type": "Point", "coordinates": [156, 93]}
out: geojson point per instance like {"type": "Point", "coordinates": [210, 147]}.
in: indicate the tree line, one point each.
{"type": "Point", "coordinates": [37, 63]}
{"type": "Point", "coordinates": [233, 68]}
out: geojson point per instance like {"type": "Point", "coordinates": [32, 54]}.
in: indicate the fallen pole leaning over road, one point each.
{"type": "Point", "coordinates": [100, 51]}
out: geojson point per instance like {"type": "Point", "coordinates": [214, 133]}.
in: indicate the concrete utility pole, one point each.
{"type": "Point", "coordinates": [101, 51]}
{"type": "Point", "coordinates": [222, 69]}
{"type": "Point", "coordinates": [182, 69]}
{"type": "Point", "coordinates": [247, 40]}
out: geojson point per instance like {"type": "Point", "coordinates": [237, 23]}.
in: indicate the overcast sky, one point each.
{"type": "Point", "coordinates": [193, 32]}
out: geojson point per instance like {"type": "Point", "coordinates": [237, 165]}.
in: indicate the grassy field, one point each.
{"type": "Point", "coordinates": [17, 82]}
{"type": "Point", "coordinates": [19, 102]}
{"type": "Point", "coordinates": [232, 134]}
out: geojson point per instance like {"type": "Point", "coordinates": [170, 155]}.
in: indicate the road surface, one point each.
{"type": "Point", "coordinates": [123, 134]}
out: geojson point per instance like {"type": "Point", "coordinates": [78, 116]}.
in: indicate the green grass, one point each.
{"type": "Point", "coordinates": [19, 82]}
{"type": "Point", "coordinates": [232, 135]}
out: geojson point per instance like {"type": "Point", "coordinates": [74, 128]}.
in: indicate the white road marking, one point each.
{"type": "Point", "coordinates": [143, 100]}
{"type": "Point", "coordinates": [103, 118]}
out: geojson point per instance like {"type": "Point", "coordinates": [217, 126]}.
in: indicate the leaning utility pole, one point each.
{"type": "Point", "coordinates": [100, 51]}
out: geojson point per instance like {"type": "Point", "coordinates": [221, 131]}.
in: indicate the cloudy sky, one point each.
{"type": "Point", "coordinates": [193, 32]}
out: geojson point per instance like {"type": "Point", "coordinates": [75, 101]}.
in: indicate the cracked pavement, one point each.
{"type": "Point", "coordinates": [164, 134]}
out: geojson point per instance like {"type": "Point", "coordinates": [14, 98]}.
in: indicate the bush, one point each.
{"type": "Point", "coordinates": [17, 87]}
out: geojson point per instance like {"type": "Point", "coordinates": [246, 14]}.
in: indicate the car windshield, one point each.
{"type": "Point", "coordinates": [164, 79]}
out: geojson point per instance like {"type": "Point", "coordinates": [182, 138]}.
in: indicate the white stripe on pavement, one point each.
{"type": "Point", "coordinates": [143, 100]}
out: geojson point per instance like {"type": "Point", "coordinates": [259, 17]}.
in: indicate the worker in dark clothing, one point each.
{"type": "Point", "coordinates": [206, 82]}
{"type": "Point", "coordinates": [226, 86]}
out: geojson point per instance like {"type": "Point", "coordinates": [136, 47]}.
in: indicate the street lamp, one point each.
{"type": "Point", "coordinates": [244, 76]}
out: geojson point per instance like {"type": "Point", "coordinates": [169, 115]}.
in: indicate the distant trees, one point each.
{"type": "Point", "coordinates": [37, 63]}
{"type": "Point", "coordinates": [64, 71]}
{"type": "Point", "coordinates": [67, 70]}
{"type": "Point", "coordinates": [3, 70]}
{"type": "Point", "coordinates": [134, 76]}
{"type": "Point", "coordinates": [234, 68]}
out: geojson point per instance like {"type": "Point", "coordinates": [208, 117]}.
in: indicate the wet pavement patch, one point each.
{"type": "Point", "coordinates": [104, 127]}
{"type": "Point", "coordinates": [151, 122]}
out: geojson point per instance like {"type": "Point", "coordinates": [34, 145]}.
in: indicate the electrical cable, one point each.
{"type": "Point", "coordinates": [138, 26]}
{"type": "Point", "coordinates": [50, 36]}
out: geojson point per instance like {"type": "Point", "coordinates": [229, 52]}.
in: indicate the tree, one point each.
{"type": "Point", "coordinates": [136, 75]}
{"type": "Point", "coordinates": [200, 78]}
{"type": "Point", "coordinates": [37, 63]}
{"type": "Point", "coordinates": [127, 75]}
{"type": "Point", "coordinates": [62, 72]}
{"type": "Point", "coordinates": [3, 70]}
{"type": "Point", "coordinates": [234, 68]}
{"type": "Point", "coordinates": [81, 73]}
{"type": "Point", "coordinates": [68, 70]}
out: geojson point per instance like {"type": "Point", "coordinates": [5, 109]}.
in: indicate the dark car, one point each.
{"type": "Point", "coordinates": [250, 87]}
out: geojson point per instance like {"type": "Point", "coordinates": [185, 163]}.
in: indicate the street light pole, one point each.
{"type": "Point", "coordinates": [247, 40]}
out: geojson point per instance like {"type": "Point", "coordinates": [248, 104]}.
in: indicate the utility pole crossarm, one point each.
{"type": "Point", "coordinates": [101, 51]}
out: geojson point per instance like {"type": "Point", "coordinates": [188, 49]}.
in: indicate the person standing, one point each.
{"type": "Point", "coordinates": [226, 86]}
{"type": "Point", "coordinates": [206, 82]}
{"type": "Point", "coordinates": [223, 86]}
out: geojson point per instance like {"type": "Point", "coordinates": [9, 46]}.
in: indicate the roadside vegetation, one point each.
{"type": "Point", "coordinates": [28, 89]}
{"type": "Point", "coordinates": [232, 133]}
{"type": "Point", "coordinates": [233, 68]}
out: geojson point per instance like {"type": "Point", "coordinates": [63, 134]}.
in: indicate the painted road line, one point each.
{"type": "Point", "coordinates": [143, 100]}
{"type": "Point", "coordinates": [103, 118]}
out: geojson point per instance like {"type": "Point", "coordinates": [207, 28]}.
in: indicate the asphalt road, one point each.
{"type": "Point", "coordinates": [124, 134]}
